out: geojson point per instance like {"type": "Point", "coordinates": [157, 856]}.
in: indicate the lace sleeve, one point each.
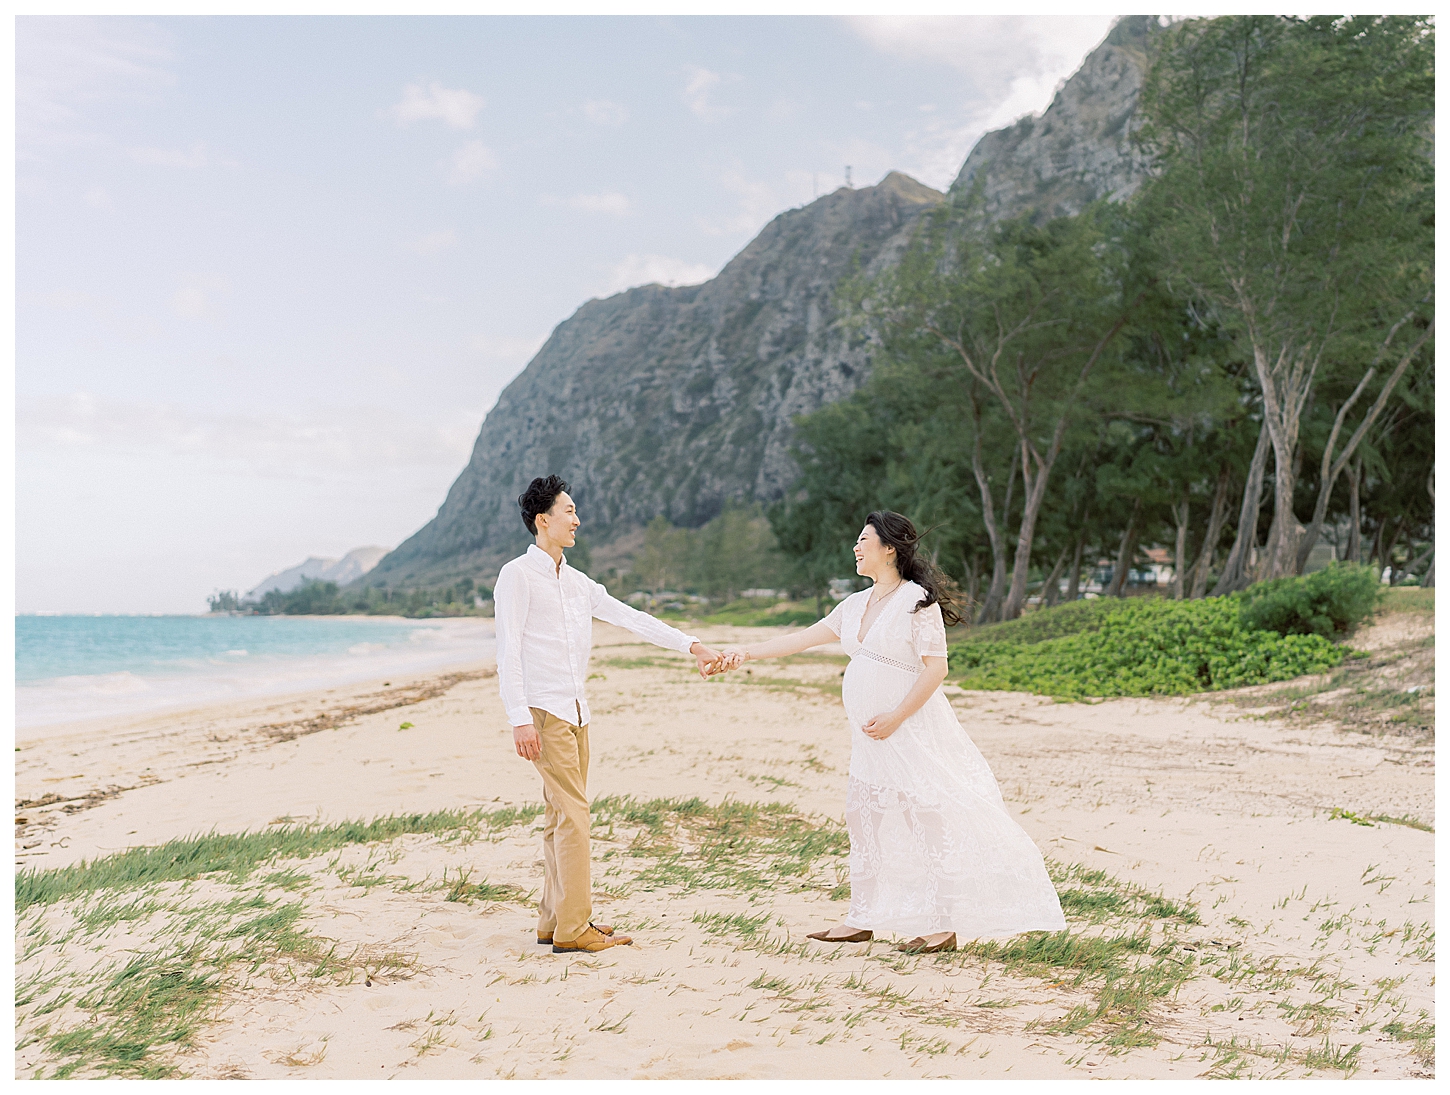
{"type": "Point", "coordinates": [833, 620]}
{"type": "Point", "coordinates": [928, 633]}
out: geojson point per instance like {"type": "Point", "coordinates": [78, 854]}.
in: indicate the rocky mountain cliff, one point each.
{"type": "Point", "coordinates": [677, 400]}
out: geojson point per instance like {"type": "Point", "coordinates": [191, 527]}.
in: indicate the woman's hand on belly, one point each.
{"type": "Point", "coordinates": [883, 726]}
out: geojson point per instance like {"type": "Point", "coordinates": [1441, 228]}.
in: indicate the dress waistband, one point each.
{"type": "Point", "coordinates": [892, 662]}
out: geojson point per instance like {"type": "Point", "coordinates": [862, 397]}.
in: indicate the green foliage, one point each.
{"type": "Point", "coordinates": [318, 598]}
{"type": "Point", "coordinates": [1069, 619]}
{"type": "Point", "coordinates": [1145, 647]}
{"type": "Point", "coordinates": [1331, 602]}
{"type": "Point", "coordinates": [239, 854]}
{"type": "Point", "coordinates": [734, 551]}
{"type": "Point", "coordinates": [225, 600]}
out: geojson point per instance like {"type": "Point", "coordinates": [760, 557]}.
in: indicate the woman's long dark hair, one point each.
{"type": "Point", "coordinates": [897, 531]}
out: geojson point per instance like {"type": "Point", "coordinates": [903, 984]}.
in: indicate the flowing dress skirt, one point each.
{"type": "Point", "coordinates": [933, 847]}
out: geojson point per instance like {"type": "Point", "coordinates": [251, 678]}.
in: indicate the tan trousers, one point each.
{"type": "Point", "coordinates": [566, 906]}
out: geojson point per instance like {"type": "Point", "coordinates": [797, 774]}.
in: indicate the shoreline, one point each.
{"type": "Point", "coordinates": [161, 688]}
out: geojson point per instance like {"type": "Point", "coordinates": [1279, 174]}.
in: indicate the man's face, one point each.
{"type": "Point", "coordinates": [559, 523]}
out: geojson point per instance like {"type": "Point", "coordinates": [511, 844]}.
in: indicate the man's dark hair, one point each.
{"type": "Point", "coordinates": [539, 498]}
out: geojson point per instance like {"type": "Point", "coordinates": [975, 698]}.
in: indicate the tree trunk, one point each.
{"type": "Point", "coordinates": [1428, 581]}
{"type": "Point", "coordinates": [1284, 385]}
{"type": "Point", "coordinates": [1387, 549]}
{"type": "Point", "coordinates": [993, 601]}
{"type": "Point", "coordinates": [1236, 566]}
{"type": "Point", "coordinates": [1210, 540]}
{"type": "Point", "coordinates": [1353, 551]}
{"type": "Point", "coordinates": [1049, 587]}
{"type": "Point", "coordinates": [1127, 548]}
{"type": "Point", "coordinates": [1034, 491]}
{"type": "Point", "coordinates": [1331, 466]}
{"type": "Point", "coordinates": [1180, 546]}
{"type": "Point", "coordinates": [1075, 575]}
{"type": "Point", "coordinates": [973, 577]}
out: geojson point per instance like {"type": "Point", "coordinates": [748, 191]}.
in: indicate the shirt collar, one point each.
{"type": "Point", "coordinates": [539, 559]}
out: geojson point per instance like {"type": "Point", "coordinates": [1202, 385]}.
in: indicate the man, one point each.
{"type": "Point", "coordinates": [543, 613]}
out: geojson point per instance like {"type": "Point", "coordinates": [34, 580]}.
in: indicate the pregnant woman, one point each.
{"type": "Point", "coordinates": [934, 854]}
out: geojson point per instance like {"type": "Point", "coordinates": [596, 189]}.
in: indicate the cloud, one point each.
{"type": "Point", "coordinates": [454, 107]}
{"type": "Point", "coordinates": [700, 83]}
{"type": "Point", "coordinates": [615, 205]}
{"type": "Point", "coordinates": [64, 65]}
{"type": "Point", "coordinates": [346, 439]}
{"type": "Point", "coordinates": [97, 198]}
{"type": "Point", "coordinates": [197, 299]}
{"type": "Point", "coordinates": [189, 159]}
{"type": "Point", "coordinates": [432, 243]}
{"type": "Point", "coordinates": [471, 161]}
{"type": "Point", "coordinates": [1014, 65]}
{"type": "Point", "coordinates": [604, 112]}
{"type": "Point", "coordinates": [638, 269]}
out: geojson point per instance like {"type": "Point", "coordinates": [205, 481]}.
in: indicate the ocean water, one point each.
{"type": "Point", "coordinates": [82, 667]}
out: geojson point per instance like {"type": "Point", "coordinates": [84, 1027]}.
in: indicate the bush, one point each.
{"type": "Point", "coordinates": [1144, 647]}
{"type": "Point", "coordinates": [1331, 602]}
{"type": "Point", "coordinates": [1072, 618]}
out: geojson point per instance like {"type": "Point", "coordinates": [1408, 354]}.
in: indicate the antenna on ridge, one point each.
{"type": "Point", "coordinates": [848, 176]}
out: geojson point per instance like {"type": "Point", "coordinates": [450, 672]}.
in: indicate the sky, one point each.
{"type": "Point", "coordinates": [272, 272]}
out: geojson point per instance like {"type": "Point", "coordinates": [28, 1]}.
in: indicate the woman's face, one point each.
{"type": "Point", "coordinates": [873, 558]}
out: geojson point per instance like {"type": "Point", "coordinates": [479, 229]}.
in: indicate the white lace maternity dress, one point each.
{"type": "Point", "coordinates": [932, 846]}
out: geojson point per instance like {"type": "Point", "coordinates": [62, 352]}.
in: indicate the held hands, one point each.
{"type": "Point", "coordinates": [711, 661]}
{"type": "Point", "coordinates": [883, 726]}
{"type": "Point", "coordinates": [708, 661]}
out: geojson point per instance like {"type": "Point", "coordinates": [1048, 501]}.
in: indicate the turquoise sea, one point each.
{"type": "Point", "coordinates": [81, 667]}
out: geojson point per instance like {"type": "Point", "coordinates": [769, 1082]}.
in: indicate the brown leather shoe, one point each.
{"type": "Point", "coordinates": [825, 936]}
{"type": "Point", "coordinates": [592, 940]}
{"type": "Point", "coordinates": [546, 938]}
{"type": "Point", "coordinates": [929, 944]}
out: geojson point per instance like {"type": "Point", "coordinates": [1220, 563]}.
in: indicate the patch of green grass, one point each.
{"type": "Point", "coordinates": [1408, 599]}
{"type": "Point", "coordinates": [461, 889]}
{"type": "Point", "coordinates": [239, 854]}
{"type": "Point", "coordinates": [1094, 895]}
{"type": "Point", "coordinates": [1130, 976]}
{"type": "Point", "coordinates": [124, 1018]}
{"type": "Point", "coordinates": [1338, 1058]}
{"type": "Point", "coordinates": [1420, 1034]}
{"type": "Point", "coordinates": [1338, 813]}
{"type": "Point", "coordinates": [730, 845]}
{"type": "Point", "coordinates": [1142, 647]}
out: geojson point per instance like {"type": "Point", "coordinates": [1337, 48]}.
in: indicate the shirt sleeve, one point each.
{"type": "Point", "coordinates": [510, 609]}
{"type": "Point", "coordinates": [644, 625]}
{"type": "Point", "coordinates": [834, 619]}
{"type": "Point", "coordinates": [928, 633]}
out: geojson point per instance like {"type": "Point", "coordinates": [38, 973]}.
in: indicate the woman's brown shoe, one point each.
{"type": "Point", "coordinates": [853, 935]}
{"type": "Point", "coordinates": [591, 940]}
{"type": "Point", "coordinates": [546, 938]}
{"type": "Point", "coordinates": [929, 944]}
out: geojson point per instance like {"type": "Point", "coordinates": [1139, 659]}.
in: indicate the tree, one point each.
{"type": "Point", "coordinates": [1025, 312]}
{"type": "Point", "coordinates": [1294, 176]}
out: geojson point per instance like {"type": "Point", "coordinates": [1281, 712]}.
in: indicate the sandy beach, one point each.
{"type": "Point", "coordinates": [1226, 918]}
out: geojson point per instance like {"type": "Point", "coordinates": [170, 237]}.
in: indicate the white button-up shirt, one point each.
{"type": "Point", "coordinates": [543, 620]}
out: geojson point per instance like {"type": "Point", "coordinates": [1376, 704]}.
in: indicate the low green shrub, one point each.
{"type": "Point", "coordinates": [1331, 602]}
{"type": "Point", "coordinates": [1072, 618]}
{"type": "Point", "coordinates": [1144, 647]}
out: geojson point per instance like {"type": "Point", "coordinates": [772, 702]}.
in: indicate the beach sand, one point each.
{"type": "Point", "coordinates": [1223, 921]}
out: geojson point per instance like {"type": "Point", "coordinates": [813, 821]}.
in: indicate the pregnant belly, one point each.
{"type": "Point", "coordinates": [870, 689]}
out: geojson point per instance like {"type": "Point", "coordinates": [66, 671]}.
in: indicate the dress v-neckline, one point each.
{"type": "Point", "coordinates": [861, 639]}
